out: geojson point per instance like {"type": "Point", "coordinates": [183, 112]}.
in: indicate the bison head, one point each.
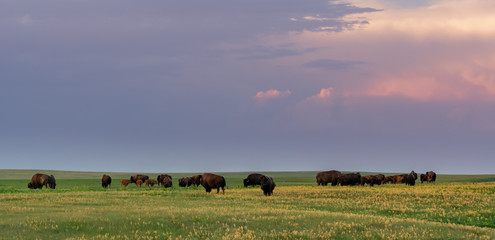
{"type": "Point", "coordinates": [246, 182]}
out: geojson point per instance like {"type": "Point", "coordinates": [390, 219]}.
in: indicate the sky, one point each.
{"type": "Point", "coordinates": [279, 85]}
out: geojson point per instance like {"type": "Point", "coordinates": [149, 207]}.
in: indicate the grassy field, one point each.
{"type": "Point", "coordinates": [456, 207]}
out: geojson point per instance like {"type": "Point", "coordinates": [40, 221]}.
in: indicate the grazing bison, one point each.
{"type": "Point", "coordinates": [124, 182]}
{"type": "Point", "coordinates": [160, 178]}
{"type": "Point", "coordinates": [210, 180]}
{"type": "Point", "coordinates": [136, 177]}
{"type": "Point", "coordinates": [253, 179]}
{"type": "Point", "coordinates": [151, 182]}
{"type": "Point", "coordinates": [166, 181]}
{"type": "Point", "coordinates": [432, 176]}
{"type": "Point", "coordinates": [349, 179]}
{"type": "Point", "coordinates": [196, 179]}
{"type": "Point", "coordinates": [267, 185]}
{"type": "Point", "coordinates": [106, 181]}
{"type": "Point", "coordinates": [370, 180]}
{"type": "Point", "coordinates": [323, 178]}
{"type": "Point", "coordinates": [185, 182]}
{"type": "Point", "coordinates": [39, 180]}
{"type": "Point", "coordinates": [423, 178]}
{"type": "Point", "coordinates": [139, 182]}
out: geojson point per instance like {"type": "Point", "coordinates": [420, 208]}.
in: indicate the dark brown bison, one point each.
{"type": "Point", "coordinates": [210, 180]}
{"type": "Point", "coordinates": [349, 179]}
{"type": "Point", "coordinates": [267, 185]}
{"type": "Point", "coordinates": [432, 176]}
{"type": "Point", "coordinates": [39, 180]}
{"type": "Point", "coordinates": [136, 177]}
{"type": "Point", "coordinates": [423, 178]}
{"type": "Point", "coordinates": [196, 179]}
{"type": "Point", "coordinates": [253, 179]}
{"type": "Point", "coordinates": [370, 180]}
{"type": "Point", "coordinates": [410, 179]}
{"type": "Point", "coordinates": [106, 181]}
{"type": "Point", "coordinates": [166, 181]}
{"type": "Point", "coordinates": [185, 182]}
{"type": "Point", "coordinates": [388, 179]}
{"type": "Point", "coordinates": [160, 178]}
{"type": "Point", "coordinates": [398, 179]}
{"type": "Point", "coordinates": [403, 178]}
{"type": "Point", "coordinates": [380, 179]}
{"type": "Point", "coordinates": [150, 182]}
{"type": "Point", "coordinates": [124, 182]}
{"type": "Point", "coordinates": [323, 178]}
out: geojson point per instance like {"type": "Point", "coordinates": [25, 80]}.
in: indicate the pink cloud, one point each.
{"type": "Point", "coordinates": [272, 94]}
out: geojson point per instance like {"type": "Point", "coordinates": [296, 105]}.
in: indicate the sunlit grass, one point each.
{"type": "Point", "coordinates": [442, 211]}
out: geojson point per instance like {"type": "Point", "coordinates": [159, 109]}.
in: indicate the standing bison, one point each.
{"type": "Point", "coordinates": [166, 180]}
{"type": "Point", "coordinates": [124, 182]}
{"type": "Point", "coordinates": [253, 179]}
{"type": "Point", "coordinates": [370, 180]}
{"type": "Point", "coordinates": [423, 178]}
{"type": "Point", "coordinates": [349, 179]}
{"type": "Point", "coordinates": [150, 182]}
{"type": "Point", "coordinates": [410, 179]}
{"type": "Point", "coordinates": [210, 180]}
{"type": "Point", "coordinates": [431, 176]}
{"type": "Point", "coordinates": [196, 179]}
{"type": "Point", "coordinates": [106, 181]}
{"type": "Point", "coordinates": [323, 178]}
{"type": "Point", "coordinates": [39, 180]}
{"type": "Point", "coordinates": [267, 185]}
{"type": "Point", "coordinates": [137, 177]}
{"type": "Point", "coordinates": [160, 178]}
{"type": "Point", "coordinates": [185, 182]}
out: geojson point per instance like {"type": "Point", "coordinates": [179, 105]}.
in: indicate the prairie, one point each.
{"type": "Point", "coordinates": [456, 207]}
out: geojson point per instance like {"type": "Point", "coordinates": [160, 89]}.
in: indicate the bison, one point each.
{"type": "Point", "coordinates": [370, 180]}
{"type": "Point", "coordinates": [388, 179]}
{"type": "Point", "coordinates": [323, 178]}
{"type": "Point", "coordinates": [39, 180]}
{"type": "Point", "coordinates": [423, 178]}
{"type": "Point", "coordinates": [253, 179]}
{"type": "Point", "coordinates": [151, 182]}
{"type": "Point", "coordinates": [267, 185]}
{"type": "Point", "coordinates": [106, 181]}
{"type": "Point", "coordinates": [349, 179]}
{"type": "Point", "coordinates": [124, 182]}
{"type": "Point", "coordinates": [210, 180]}
{"type": "Point", "coordinates": [197, 179]}
{"type": "Point", "coordinates": [139, 182]}
{"type": "Point", "coordinates": [380, 179]}
{"type": "Point", "coordinates": [185, 182]}
{"type": "Point", "coordinates": [410, 179]}
{"type": "Point", "coordinates": [431, 176]}
{"type": "Point", "coordinates": [139, 177]}
{"type": "Point", "coordinates": [166, 181]}
{"type": "Point", "coordinates": [160, 178]}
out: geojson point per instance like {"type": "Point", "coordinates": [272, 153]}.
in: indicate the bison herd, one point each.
{"type": "Point", "coordinates": [212, 181]}
{"type": "Point", "coordinates": [348, 179]}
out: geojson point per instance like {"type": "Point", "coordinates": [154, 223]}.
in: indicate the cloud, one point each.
{"type": "Point", "coordinates": [330, 64]}
{"type": "Point", "coordinates": [272, 94]}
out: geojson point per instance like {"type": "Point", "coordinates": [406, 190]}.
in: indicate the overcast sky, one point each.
{"type": "Point", "coordinates": [195, 86]}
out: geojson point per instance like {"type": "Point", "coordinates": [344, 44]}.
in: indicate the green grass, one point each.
{"type": "Point", "coordinates": [456, 207]}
